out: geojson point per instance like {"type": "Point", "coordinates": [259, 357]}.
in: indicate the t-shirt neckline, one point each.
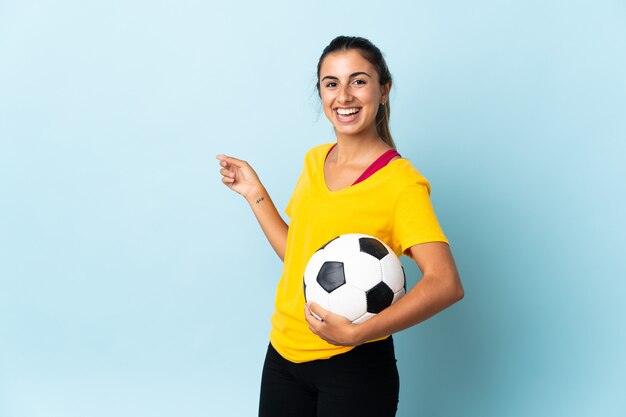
{"type": "Point", "coordinates": [357, 184]}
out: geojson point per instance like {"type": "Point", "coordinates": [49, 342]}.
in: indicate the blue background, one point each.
{"type": "Point", "coordinates": [133, 283]}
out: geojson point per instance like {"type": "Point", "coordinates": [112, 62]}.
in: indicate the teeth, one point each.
{"type": "Point", "coordinates": [344, 112]}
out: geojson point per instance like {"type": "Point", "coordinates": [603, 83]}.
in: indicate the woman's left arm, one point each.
{"type": "Point", "coordinates": [439, 288]}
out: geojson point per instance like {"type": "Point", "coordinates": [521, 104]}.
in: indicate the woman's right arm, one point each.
{"type": "Point", "coordinates": [239, 176]}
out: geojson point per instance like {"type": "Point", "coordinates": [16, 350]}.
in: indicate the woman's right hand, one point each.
{"type": "Point", "coordinates": [239, 176]}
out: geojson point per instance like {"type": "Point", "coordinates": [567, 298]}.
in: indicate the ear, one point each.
{"type": "Point", "coordinates": [385, 89]}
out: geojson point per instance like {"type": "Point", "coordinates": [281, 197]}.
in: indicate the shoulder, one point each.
{"type": "Point", "coordinates": [318, 152]}
{"type": "Point", "coordinates": [404, 173]}
{"type": "Point", "coordinates": [315, 156]}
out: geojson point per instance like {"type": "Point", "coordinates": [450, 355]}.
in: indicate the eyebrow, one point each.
{"type": "Point", "coordinates": [354, 74]}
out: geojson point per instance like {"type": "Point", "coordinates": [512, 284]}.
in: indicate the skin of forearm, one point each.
{"type": "Point", "coordinates": [430, 295]}
{"type": "Point", "coordinates": [269, 219]}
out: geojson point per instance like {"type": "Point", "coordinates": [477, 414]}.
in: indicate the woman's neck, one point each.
{"type": "Point", "coordinates": [357, 149]}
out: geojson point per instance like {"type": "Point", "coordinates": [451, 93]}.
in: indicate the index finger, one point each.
{"type": "Point", "coordinates": [316, 311]}
{"type": "Point", "coordinates": [230, 160]}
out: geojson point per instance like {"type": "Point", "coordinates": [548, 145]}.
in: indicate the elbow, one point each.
{"type": "Point", "coordinates": [457, 290]}
{"type": "Point", "coordinates": [459, 293]}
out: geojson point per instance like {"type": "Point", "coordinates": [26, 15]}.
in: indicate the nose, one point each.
{"type": "Point", "coordinates": [344, 94]}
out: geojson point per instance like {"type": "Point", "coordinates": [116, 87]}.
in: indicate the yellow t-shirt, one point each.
{"type": "Point", "coordinates": [393, 205]}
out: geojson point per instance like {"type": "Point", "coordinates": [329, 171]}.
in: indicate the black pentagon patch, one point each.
{"type": "Point", "coordinates": [379, 298]}
{"type": "Point", "coordinates": [373, 247]}
{"type": "Point", "coordinates": [326, 244]}
{"type": "Point", "coordinates": [331, 276]}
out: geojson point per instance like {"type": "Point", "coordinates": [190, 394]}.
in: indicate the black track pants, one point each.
{"type": "Point", "coordinates": [362, 382]}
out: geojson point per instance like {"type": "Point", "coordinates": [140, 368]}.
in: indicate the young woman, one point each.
{"type": "Point", "coordinates": [360, 184]}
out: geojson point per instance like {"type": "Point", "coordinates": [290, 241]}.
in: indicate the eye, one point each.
{"type": "Point", "coordinates": [359, 82]}
{"type": "Point", "coordinates": [331, 84]}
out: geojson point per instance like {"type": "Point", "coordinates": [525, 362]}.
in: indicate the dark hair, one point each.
{"type": "Point", "coordinates": [372, 54]}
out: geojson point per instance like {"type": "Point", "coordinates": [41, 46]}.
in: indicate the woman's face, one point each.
{"type": "Point", "coordinates": [351, 92]}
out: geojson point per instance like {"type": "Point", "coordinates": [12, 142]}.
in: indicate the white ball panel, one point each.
{"type": "Point", "coordinates": [341, 248]}
{"type": "Point", "coordinates": [392, 272]}
{"type": "Point", "coordinates": [364, 318]}
{"type": "Point", "coordinates": [363, 271]}
{"type": "Point", "coordinates": [315, 293]}
{"type": "Point", "coordinates": [348, 301]}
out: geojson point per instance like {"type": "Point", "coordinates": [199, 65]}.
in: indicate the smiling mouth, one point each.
{"type": "Point", "coordinates": [347, 114]}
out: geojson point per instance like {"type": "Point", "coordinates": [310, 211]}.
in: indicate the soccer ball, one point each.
{"type": "Point", "coordinates": [354, 275]}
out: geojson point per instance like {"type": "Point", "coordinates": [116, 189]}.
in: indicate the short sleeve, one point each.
{"type": "Point", "coordinates": [294, 195]}
{"type": "Point", "coordinates": [290, 203]}
{"type": "Point", "coordinates": [414, 218]}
